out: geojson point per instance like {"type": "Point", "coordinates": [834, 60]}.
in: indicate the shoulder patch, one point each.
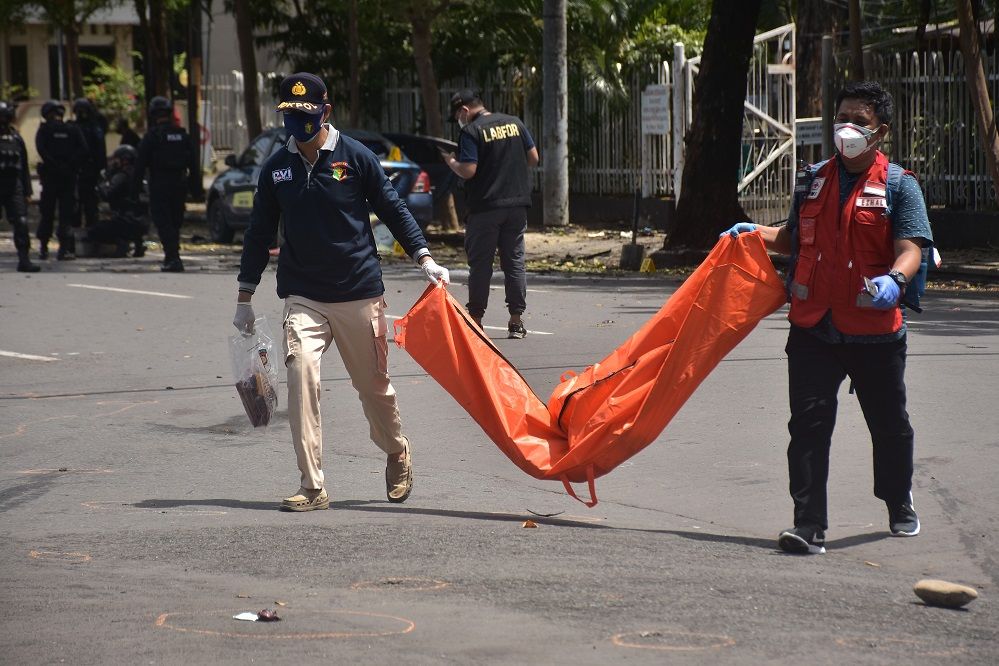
{"type": "Point", "coordinates": [281, 174]}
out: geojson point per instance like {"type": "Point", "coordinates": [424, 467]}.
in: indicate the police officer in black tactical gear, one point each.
{"type": "Point", "coordinates": [168, 153]}
{"type": "Point", "coordinates": [128, 223]}
{"type": "Point", "coordinates": [62, 150]}
{"type": "Point", "coordinates": [15, 185]}
{"type": "Point", "coordinates": [87, 120]}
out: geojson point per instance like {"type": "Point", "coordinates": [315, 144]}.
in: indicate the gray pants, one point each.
{"type": "Point", "coordinates": [501, 228]}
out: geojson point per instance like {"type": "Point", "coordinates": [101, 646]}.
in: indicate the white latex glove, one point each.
{"type": "Point", "coordinates": [436, 274]}
{"type": "Point", "coordinates": [243, 321]}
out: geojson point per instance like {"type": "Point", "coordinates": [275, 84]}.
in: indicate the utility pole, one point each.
{"type": "Point", "coordinates": [555, 120]}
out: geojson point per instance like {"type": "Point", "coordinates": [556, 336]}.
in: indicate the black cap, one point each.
{"type": "Point", "coordinates": [302, 92]}
{"type": "Point", "coordinates": [463, 98]}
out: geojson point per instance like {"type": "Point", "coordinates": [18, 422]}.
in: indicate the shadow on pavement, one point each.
{"type": "Point", "coordinates": [382, 506]}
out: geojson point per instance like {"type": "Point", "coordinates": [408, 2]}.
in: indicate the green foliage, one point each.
{"type": "Point", "coordinates": [12, 92]}
{"type": "Point", "coordinates": [608, 39]}
{"type": "Point", "coordinates": [115, 91]}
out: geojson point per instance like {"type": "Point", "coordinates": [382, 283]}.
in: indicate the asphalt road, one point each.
{"type": "Point", "coordinates": [137, 503]}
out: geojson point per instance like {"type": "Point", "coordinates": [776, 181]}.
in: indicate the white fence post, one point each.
{"type": "Point", "coordinates": [679, 119]}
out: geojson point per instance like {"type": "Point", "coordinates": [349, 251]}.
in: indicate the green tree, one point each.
{"type": "Point", "coordinates": [115, 90]}
{"type": "Point", "coordinates": [709, 199]}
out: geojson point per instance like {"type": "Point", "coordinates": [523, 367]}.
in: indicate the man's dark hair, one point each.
{"type": "Point", "coordinates": [872, 93]}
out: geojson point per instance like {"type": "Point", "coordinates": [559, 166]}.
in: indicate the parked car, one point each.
{"type": "Point", "coordinates": [230, 198]}
{"type": "Point", "coordinates": [426, 151]}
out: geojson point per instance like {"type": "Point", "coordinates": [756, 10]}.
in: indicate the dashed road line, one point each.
{"type": "Point", "coordinates": [129, 291]}
{"type": "Point", "coordinates": [27, 357]}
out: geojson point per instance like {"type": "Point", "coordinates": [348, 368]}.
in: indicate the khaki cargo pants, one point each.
{"type": "Point", "coordinates": [359, 330]}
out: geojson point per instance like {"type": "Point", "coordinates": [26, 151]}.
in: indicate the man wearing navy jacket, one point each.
{"type": "Point", "coordinates": [320, 185]}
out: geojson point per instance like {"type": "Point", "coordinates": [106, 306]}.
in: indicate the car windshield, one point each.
{"type": "Point", "coordinates": [256, 152]}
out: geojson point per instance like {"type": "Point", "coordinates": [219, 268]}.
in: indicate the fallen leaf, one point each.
{"type": "Point", "coordinates": [243, 596]}
{"type": "Point", "coordinates": [872, 564]}
{"type": "Point", "coordinates": [281, 603]}
{"type": "Point", "coordinates": [529, 523]}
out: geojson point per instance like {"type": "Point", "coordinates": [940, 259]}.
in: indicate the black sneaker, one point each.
{"type": "Point", "coordinates": [902, 519]}
{"type": "Point", "coordinates": [26, 266]}
{"type": "Point", "coordinates": [43, 252]}
{"type": "Point", "coordinates": [516, 331]}
{"type": "Point", "coordinates": [805, 540]}
{"type": "Point", "coordinates": [172, 266]}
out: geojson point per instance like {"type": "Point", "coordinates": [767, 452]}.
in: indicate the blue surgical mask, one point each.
{"type": "Point", "coordinates": [303, 126]}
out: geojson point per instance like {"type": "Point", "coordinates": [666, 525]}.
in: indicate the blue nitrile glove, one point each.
{"type": "Point", "coordinates": [739, 228]}
{"type": "Point", "coordinates": [888, 293]}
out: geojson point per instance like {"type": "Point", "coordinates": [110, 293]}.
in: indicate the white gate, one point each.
{"type": "Point", "coordinates": [768, 148]}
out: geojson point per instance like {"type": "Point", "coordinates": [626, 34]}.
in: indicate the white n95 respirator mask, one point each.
{"type": "Point", "coordinates": [852, 140]}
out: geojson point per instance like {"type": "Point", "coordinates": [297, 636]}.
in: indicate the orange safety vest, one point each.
{"type": "Point", "coordinates": [837, 249]}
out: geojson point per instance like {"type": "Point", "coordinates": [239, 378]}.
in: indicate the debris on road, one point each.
{"type": "Point", "coordinates": [943, 593]}
{"type": "Point", "coordinates": [266, 615]}
{"type": "Point", "coordinates": [529, 523]}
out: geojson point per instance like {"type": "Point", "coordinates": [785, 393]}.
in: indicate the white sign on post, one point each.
{"type": "Point", "coordinates": [808, 131]}
{"type": "Point", "coordinates": [655, 110]}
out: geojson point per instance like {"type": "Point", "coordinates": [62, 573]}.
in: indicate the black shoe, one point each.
{"type": "Point", "coordinates": [172, 266]}
{"type": "Point", "coordinates": [516, 331]}
{"type": "Point", "coordinates": [26, 266]}
{"type": "Point", "coordinates": [140, 250]}
{"type": "Point", "coordinates": [65, 255]}
{"type": "Point", "coordinates": [804, 540]}
{"type": "Point", "coordinates": [902, 519]}
{"type": "Point", "coordinates": [43, 252]}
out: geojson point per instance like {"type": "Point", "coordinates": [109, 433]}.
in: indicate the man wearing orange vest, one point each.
{"type": "Point", "coordinates": [855, 239]}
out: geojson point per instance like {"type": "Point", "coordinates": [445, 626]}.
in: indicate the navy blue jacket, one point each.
{"type": "Point", "coordinates": [329, 253]}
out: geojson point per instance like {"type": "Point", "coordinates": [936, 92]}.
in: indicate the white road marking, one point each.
{"type": "Point", "coordinates": [129, 291]}
{"type": "Point", "coordinates": [488, 328]}
{"type": "Point", "coordinates": [27, 357]}
{"type": "Point", "coordinates": [497, 287]}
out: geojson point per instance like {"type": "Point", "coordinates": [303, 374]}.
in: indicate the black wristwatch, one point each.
{"type": "Point", "coordinates": [900, 279]}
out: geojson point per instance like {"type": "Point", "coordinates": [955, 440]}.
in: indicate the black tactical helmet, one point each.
{"type": "Point", "coordinates": [6, 112]}
{"type": "Point", "coordinates": [52, 106]}
{"type": "Point", "coordinates": [125, 153]}
{"type": "Point", "coordinates": [82, 106]}
{"type": "Point", "coordinates": [160, 106]}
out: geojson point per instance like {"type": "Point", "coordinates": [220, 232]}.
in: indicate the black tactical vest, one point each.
{"type": "Point", "coordinates": [501, 177]}
{"type": "Point", "coordinates": [171, 149]}
{"type": "Point", "coordinates": [10, 152]}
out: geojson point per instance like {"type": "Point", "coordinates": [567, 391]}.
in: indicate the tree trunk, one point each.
{"type": "Point", "coordinates": [354, 41]}
{"type": "Point", "coordinates": [248, 62]}
{"type": "Point", "coordinates": [420, 18]}
{"type": "Point", "coordinates": [194, 79]}
{"type": "Point", "coordinates": [71, 32]}
{"type": "Point", "coordinates": [814, 20]}
{"type": "Point", "coordinates": [978, 87]}
{"type": "Point", "coordinates": [161, 66]}
{"type": "Point", "coordinates": [422, 55]}
{"type": "Point", "coordinates": [709, 200]}
{"type": "Point", "coordinates": [555, 128]}
{"type": "Point", "coordinates": [856, 43]}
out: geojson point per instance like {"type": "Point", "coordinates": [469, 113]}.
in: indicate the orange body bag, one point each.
{"type": "Point", "coordinates": [599, 418]}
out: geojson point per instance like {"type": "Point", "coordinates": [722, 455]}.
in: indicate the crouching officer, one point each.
{"type": "Point", "coordinates": [62, 150]}
{"type": "Point", "coordinates": [128, 223]}
{"type": "Point", "coordinates": [15, 186]}
{"type": "Point", "coordinates": [169, 155]}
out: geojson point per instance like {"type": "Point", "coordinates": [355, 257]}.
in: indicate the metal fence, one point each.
{"type": "Point", "coordinates": [934, 127]}
{"type": "Point", "coordinates": [605, 143]}
{"type": "Point", "coordinates": [224, 107]}
{"type": "Point", "coordinates": [934, 130]}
